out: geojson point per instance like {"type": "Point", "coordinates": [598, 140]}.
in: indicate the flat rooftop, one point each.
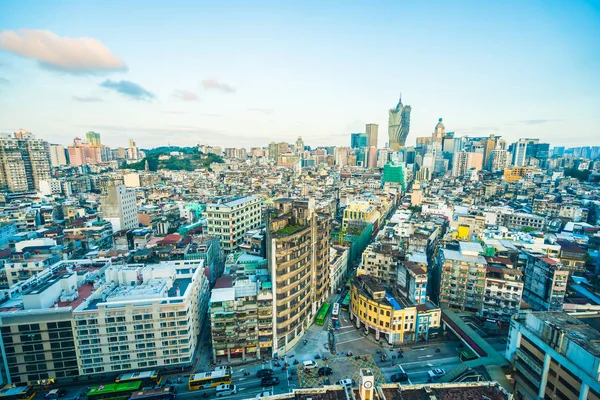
{"type": "Point", "coordinates": [443, 392]}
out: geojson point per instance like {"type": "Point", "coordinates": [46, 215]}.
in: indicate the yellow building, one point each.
{"type": "Point", "coordinates": [360, 211]}
{"type": "Point", "coordinates": [515, 174]}
{"type": "Point", "coordinates": [386, 312]}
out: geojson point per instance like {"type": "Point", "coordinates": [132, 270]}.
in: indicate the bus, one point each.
{"type": "Point", "coordinates": [322, 315]}
{"type": "Point", "coordinates": [207, 380]}
{"type": "Point", "coordinates": [467, 355]}
{"type": "Point", "coordinates": [346, 303]}
{"type": "Point", "coordinates": [165, 393]}
{"type": "Point", "coordinates": [335, 311]}
{"type": "Point", "coordinates": [17, 393]}
{"type": "Point", "coordinates": [149, 379]}
{"type": "Point", "coordinates": [114, 391]}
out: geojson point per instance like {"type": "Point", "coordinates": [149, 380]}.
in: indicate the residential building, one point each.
{"type": "Point", "coordinates": [93, 139]}
{"type": "Point", "coordinates": [338, 264]}
{"type": "Point", "coordinates": [119, 207]}
{"type": "Point", "coordinates": [463, 161]}
{"type": "Point", "coordinates": [545, 282]}
{"type": "Point", "coordinates": [572, 257]}
{"type": "Point", "coordinates": [230, 219]}
{"type": "Point", "coordinates": [241, 310]}
{"type": "Point", "coordinates": [463, 272]}
{"type": "Point", "coordinates": [412, 281]}
{"type": "Point", "coordinates": [24, 162]}
{"type": "Point", "coordinates": [555, 355]}
{"type": "Point", "coordinates": [519, 153]}
{"type": "Point", "coordinates": [398, 125]}
{"type": "Point", "coordinates": [385, 312]}
{"type": "Point", "coordinates": [515, 174]}
{"type": "Point", "coordinates": [518, 221]}
{"type": "Point", "coordinates": [380, 261]}
{"type": "Point", "coordinates": [298, 237]}
{"type": "Point", "coordinates": [360, 211]}
{"type": "Point", "coordinates": [394, 174]}
{"type": "Point", "coordinates": [57, 155]}
{"type": "Point", "coordinates": [503, 290]}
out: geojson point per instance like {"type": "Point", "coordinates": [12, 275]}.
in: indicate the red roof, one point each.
{"type": "Point", "coordinates": [224, 282]}
{"type": "Point", "coordinates": [172, 238]}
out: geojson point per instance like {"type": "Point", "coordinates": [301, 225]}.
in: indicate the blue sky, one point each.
{"type": "Point", "coordinates": [246, 73]}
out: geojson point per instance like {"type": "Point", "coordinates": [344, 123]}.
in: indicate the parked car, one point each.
{"type": "Point", "coordinates": [310, 364]}
{"type": "Point", "coordinates": [345, 382]}
{"type": "Point", "coordinates": [325, 371]}
{"type": "Point", "coordinates": [400, 377]}
{"type": "Point", "coordinates": [436, 373]}
{"type": "Point", "coordinates": [264, 373]}
{"type": "Point", "coordinates": [269, 381]}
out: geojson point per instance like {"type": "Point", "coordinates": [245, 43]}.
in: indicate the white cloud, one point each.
{"type": "Point", "coordinates": [213, 83]}
{"type": "Point", "coordinates": [74, 55]}
{"type": "Point", "coordinates": [185, 95]}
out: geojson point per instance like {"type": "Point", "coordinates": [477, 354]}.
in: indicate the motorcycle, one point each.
{"type": "Point", "coordinates": [179, 380]}
{"type": "Point", "coordinates": [284, 367]}
{"type": "Point", "coordinates": [296, 362]}
{"type": "Point", "coordinates": [305, 342]}
{"type": "Point", "coordinates": [349, 354]}
{"type": "Point", "coordinates": [246, 373]}
{"type": "Point", "coordinates": [277, 364]}
{"type": "Point", "coordinates": [318, 357]}
{"type": "Point", "coordinates": [378, 351]}
{"type": "Point", "coordinates": [437, 350]}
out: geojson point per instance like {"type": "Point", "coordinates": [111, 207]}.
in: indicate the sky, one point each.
{"type": "Point", "coordinates": [245, 73]}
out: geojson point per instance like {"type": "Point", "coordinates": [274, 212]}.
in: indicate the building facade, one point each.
{"type": "Point", "coordinates": [230, 220]}
{"type": "Point", "coordinates": [298, 240]}
{"type": "Point", "coordinates": [119, 207]}
{"type": "Point", "coordinates": [24, 162]}
{"type": "Point", "coordinates": [554, 355]}
{"type": "Point", "coordinates": [545, 282]}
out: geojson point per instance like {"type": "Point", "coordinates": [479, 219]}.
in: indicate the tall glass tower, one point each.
{"type": "Point", "coordinates": [398, 125]}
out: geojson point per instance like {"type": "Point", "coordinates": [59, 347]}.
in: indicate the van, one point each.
{"type": "Point", "coordinates": [226, 390]}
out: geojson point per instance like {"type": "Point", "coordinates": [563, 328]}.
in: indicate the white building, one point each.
{"type": "Point", "coordinates": [57, 155]}
{"type": "Point", "coordinates": [338, 263]}
{"type": "Point", "coordinates": [50, 187]}
{"type": "Point", "coordinates": [229, 220]}
{"type": "Point", "coordinates": [119, 207]}
{"type": "Point", "coordinates": [131, 180]}
{"type": "Point", "coordinates": [142, 317]}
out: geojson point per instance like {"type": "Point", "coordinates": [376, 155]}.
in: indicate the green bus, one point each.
{"type": "Point", "coordinates": [114, 391]}
{"type": "Point", "coordinates": [467, 355]}
{"type": "Point", "coordinates": [346, 303]}
{"type": "Point", "coordinates": [322, 315]}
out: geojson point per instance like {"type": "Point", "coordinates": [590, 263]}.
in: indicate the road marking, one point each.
{"type": "Point", "coordinates": [439, 359]}
{"type": "Point", "coordinates": [427, 356]}
{"type": "Point", "coordinates": [348, 341]}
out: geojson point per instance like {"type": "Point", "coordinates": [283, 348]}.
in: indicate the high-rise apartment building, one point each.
{"type": "Point", "coordinates": [503, 290]}
{"type": "Point", "coordinates": [358, 140]}
{"type": "Point", "coordinates": [299, 145]}
{"type": "Point", "coordinates": [554, 355]}
{"type": "Point", "coordinates": [119, 207]}
{"type": "Point", "coordinates": [273, 152]}
{"type": "Point", "coordinates": [519, 152]}
{"type": "Point", "coordinates": [24, 162]}
{"type": "Point", "coordinates": [298, 239]}
{"type": "Point", "coordinates": [372, 160]}
{"type": "Point", "coordinates": [463, 276]}
{"type": "Point", "coordinates": [372, 132]}
{"type": "Point", "coordinates": [230, 219]}
{"type": "Point", "coordinates": [57, 155]}
{"type": "Point", "coordinates": [93, 139]}
{"type": "Point", "coordinates": [398, 125]}
{"type": "Point", "coordinates": [463, 161]}
{"type": "Point", "coordinates": [545, 282]}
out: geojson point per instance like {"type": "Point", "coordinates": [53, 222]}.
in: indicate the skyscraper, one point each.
{"type": "Point", "coordinates": [358, 140]}
{"type": "Point", "coordinates": [398, 125]}
{"type": "Point", "coordinates": [372, 132]}
{"type": "Point", "coordinates": [57, 155]}
{"type": "Point", "coordinates": [439, 132]}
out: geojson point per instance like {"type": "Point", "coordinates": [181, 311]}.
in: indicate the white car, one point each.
{"type": "Point", "coordinates": [263, 394]}
{"type": "Point", "coordinates": [345, 382]}
{"type": "Point", "coordinates": [310, 364]}
{"type": "Point", "coordinates": [436, 373]}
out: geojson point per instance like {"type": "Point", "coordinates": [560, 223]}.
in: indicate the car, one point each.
{"type": "Point", "coordinates": [310, 364]}
{"type": "Point", "coordinates": [226, 390]}
{"type": "Point", "coordinates": [55, 394]}
{"type": "Point", "coordinates": [269, 381]}
{"type": "Point", "coordinates": [263, 394]}
{"type": "Point", "coordinates": [345, 382]}
{"type": "Point", "coordinates": [325, 371]}
{"type": "Point", "coordinates": [400, 377]}
{"type": "Point", "coordinates": [436, 373]}
{"type": "Point", "coordinates": [264, 373]}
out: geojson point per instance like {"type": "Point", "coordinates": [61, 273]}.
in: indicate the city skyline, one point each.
{"type": "Point", "coordinates": [277, 72]}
